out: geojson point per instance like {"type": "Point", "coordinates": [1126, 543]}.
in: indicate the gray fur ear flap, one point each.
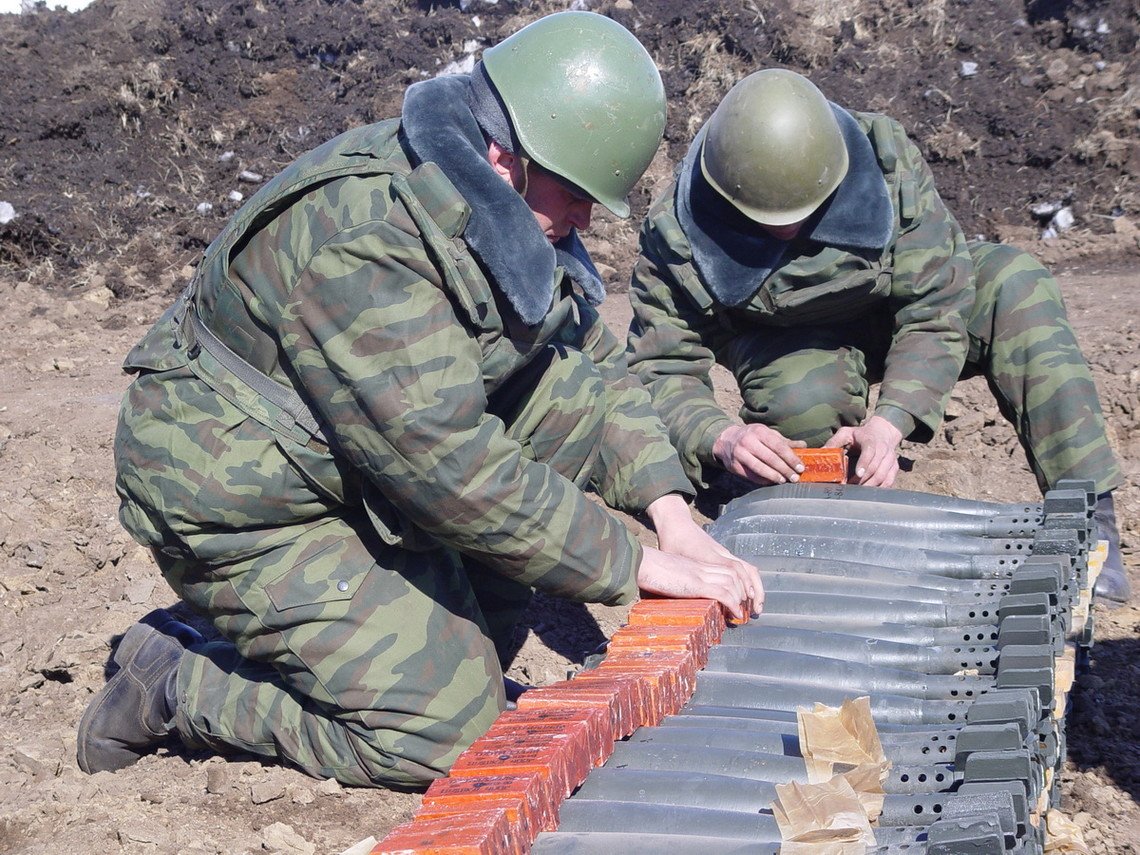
{"type": "Point", "coordinates": [575, 260]}
{"type": "Point", "coordinates": [860, 214]}
{"type": "Point", "coordinates": [489, 110]}
{"type": "Point", "coordinates": [438, 126]}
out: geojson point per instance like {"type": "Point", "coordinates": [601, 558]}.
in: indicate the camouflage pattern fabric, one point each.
{"type": "Point", "coordinates": [1022, 343]}
{"type": "Point", "coordinates": [363, 586]}
{"type": "Point", "coordinates": [806, 347]}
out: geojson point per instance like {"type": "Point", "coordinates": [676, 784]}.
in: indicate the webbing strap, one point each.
{"type": "Point", "coordinates": [286, 399]}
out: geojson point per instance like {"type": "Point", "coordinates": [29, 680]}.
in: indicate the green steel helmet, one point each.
{"type": "Point", "coordinates": [773, 148]}
{"type": "Point", "coordinates": [585, 100]}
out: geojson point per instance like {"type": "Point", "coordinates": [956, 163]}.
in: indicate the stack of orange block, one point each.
{"type": "Point", "coordinates": [509, 784]}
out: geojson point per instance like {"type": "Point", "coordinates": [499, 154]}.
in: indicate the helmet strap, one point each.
{"type": "Point", "coordinates": [525, 161]}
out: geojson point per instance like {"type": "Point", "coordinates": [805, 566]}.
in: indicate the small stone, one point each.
{"type": "Point", "coordinates": [217, 779]}
{"type": "Point", "coordinates": [328, 787]}
{"type": "Point", "coordinates": [300, 795]}
{"type": "Point", "coordinates": [266, 791]}
{"type": "Point", "coordinates": [280, 837]}
{"type": "Point", "coordinates": [102, 296]}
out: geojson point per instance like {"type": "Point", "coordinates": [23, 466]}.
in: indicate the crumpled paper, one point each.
{"type": "Point", "coordinates": [846, 766]}
{"type": "Point", "coordinates": [1063, 835]}
{"type": "Point", "coordinates": [844, 740]}
{"type": "Point", "coordinates": [825, 818]}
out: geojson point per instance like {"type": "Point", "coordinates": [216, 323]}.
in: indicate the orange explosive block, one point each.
{"type": "Point", "coordinates": [827, 465]}
{"type": "Point", "coordinates": [477, 832]}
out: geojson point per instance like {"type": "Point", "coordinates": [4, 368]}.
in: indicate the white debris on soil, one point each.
{"type": "Point", "coordinates": [19, 7]}
{"type": "Point", "coordinates": [250, 177]}
{"type": "Point", "coordinates": [1060, 217]}
{"type": "Point", "coordinates": [968, 69]}
{"type": "Point", "coordinates": [465, 64]}
{"type": "Point", "coordinates": [7, 213]}
{"type": "Point", "coordinates": [204, 208]}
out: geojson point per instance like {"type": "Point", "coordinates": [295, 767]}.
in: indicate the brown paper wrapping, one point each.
{"type": "Point", "coordinates": [845, 741]}
{"type": "Point", "coordinates": [1063, 835]}
{"type": "Point", "coordinates": [846, 766]}
{"type": "Point", "coordinates": [822, 819]}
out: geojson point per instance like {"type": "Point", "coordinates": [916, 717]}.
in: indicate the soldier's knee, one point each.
{"type": "Point", "coordinates": [1010, 278]}
{"type": "Point", "coordinates": [809, 415]}
{"type": "Point", "coordinates": [411, 760]}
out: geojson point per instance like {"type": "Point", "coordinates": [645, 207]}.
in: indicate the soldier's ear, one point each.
{"type": "Point", "coordinates": [507, 165]}
{"type": "Point", "coordinates": [502, 161]}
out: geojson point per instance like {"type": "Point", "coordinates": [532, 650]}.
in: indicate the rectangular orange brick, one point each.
{"type": "Point", "coordinates": [682, 665]}
{"type": "Point", "coordinates": [571, 739]}
{"type": "Point", "coordinates": [635, 691]}
{"type": "Point", "coordinates": [530, 791]}
{"type": "Point", "coordinates": [478, 832]}
{"type": "Point", "coordinates": [685, 661]}
{"type": "Point", "coordinates": [691, 613]}
{"type": "Point", "coordinates": [562, 767]}
{"type": "Point", "coordinates": [695, 634]}
{"type": "Point", "coordinates": [653, 638]}
{"type": "Point", "coordinates": [585, 732]}
{"type": "Point", "coordinates": [527, 799]}
{"type": "Point", "coordinates": [603, 731]}
{"type": "Point", "coordinates": [824, 465]}
{"type": "Point", "coordinates": [668, 688]}
{"type": "Point", "coordinates": [662, 639]}
{"type": "Point", "coordinates": [573, 694]}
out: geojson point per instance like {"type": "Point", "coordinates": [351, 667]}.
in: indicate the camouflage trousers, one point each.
{"type": "Point", "coordinates": [807, 382]}
{"type": "Point", "coordinates": [352, 658]}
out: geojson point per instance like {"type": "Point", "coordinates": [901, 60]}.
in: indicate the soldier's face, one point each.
{"type": "Point", "coordinates": [556, 207]}
{"type": "Point", "coordinates": [787, 232]}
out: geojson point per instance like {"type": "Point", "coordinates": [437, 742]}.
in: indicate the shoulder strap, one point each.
{"type": "Point", "coordinates": [294, 411]}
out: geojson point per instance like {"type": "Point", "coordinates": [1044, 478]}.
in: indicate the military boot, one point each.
{"type": "Point", "coordinates": [1112, 586]}
{"type": "Point", "coordinates": [131, 715]}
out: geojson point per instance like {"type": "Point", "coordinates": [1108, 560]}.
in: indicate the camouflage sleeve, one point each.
{"type": "Point", "coordinates": [637, 462]}
{"type": "Point", "coordinates": [671, 345]}
{"type": "Point", "coordinates": [931, 294]}
{"type": "Point", "coordinates": [384, 359]}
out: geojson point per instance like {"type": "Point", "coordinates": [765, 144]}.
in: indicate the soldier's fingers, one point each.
{"type": "Point", "coordinates": [842, 438]}
{"type": "Point", "coordinates": [880, 469]}
{"type": "Point", "coordinates": [763, 463]}
{"type": "Point", "coordinates": [722, 588]}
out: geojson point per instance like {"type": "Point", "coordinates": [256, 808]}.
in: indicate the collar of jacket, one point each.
{"type": "Point", "coordinates": [437, 126]}
{"type": "Point", "coordinates": [734, 257]}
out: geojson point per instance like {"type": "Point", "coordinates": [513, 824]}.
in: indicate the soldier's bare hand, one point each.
{"type": "Point", "coordinates": [877, 443]}
{"type": "Point", "coordinates": [689, 563]}
{"type": "Point", "coordinates": [758, 453]}
{"type": "Point", "coordinates": [728, 582]}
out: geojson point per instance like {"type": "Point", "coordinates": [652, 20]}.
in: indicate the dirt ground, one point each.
{"type": "Point", "coordinates": [126, 127]}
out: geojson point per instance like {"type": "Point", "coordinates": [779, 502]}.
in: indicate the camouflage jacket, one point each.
{"type": "Point", "coordinates": [348, 279]}
{"type": "Point", "coordinates": [887, 241]}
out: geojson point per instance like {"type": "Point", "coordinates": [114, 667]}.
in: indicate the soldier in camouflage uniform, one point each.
{"type": "Point", "coordinates": [362, 436]}
{"type": "Point", "coordinates": [805, 247]}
